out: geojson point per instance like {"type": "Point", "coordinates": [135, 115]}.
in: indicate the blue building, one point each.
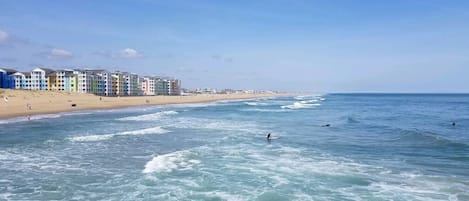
{"type": "Point", "coordinates": [7, 80]}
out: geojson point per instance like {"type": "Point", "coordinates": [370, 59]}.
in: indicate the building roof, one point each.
{"type": "Point", "coordinates": [48, 70]}
{"type": "Point", "coordinates": [51, 74]}
{"type": "Point", "coordinates": [8, 70]}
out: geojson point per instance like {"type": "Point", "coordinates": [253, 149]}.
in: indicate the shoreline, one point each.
{"type": "Point", "coordinates": [21, 103]}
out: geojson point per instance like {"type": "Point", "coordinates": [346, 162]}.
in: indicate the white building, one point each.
{"type": "Point", "coordinates": [22, 80]}
{"type": "Point", "coordinates": [149, 86]}
{"type": "Point", "coordinates": [131, 84]}
{"type": "Point", "coordinates": [39, 79]}
{"type": "Point", "coordinates": [168, 86]}
{"type": "Point", "coordinates": [105, 83]}
{"type": "Point", "coordinates": [117, 84]}
{"type": "Point", "coordinates": [85, 79]}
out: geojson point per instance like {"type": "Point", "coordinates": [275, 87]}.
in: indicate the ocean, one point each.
{"type": "Point", "coordinates": [376, 147]}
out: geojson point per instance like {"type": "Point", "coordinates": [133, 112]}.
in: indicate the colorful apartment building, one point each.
{"type": "Point", "coordinates": [149, 86]}
{"type": "Point", "coordinates": [22, 80]}
{"type": "Point", "coordinates": [39, 79]}
{"type": "Point", "coordinates": [98, 82]}
{"type": "Point", "coordinates": [132, 86]}
{"type": "Point", "coordinates": [84, 80]}
{"type": "Point", "coordinates": [117, 84]}
{"type": "Point", "coordinates": [168, 86]}
{"type": "Point", "coordinates": [7, 80]}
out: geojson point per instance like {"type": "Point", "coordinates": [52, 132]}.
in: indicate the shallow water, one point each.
{"type": "Point", "coordinates": [378, 147]}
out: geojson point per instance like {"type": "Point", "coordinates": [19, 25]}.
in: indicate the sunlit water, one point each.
{"type": "Point", "coordinates": [378, 147]}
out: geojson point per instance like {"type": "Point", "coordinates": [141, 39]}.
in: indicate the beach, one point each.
{"type": "Point", "coordinates": [17, 103]}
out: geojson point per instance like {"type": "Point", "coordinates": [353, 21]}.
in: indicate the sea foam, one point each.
{"type": "Point", "coordinates": [149, 117]}
{"type": "Point", "coordinates": [300, 105]}
{"type": "Point", "coordinates": [93, 138]}
{"type": "Point", "coordinates": [170, 162]}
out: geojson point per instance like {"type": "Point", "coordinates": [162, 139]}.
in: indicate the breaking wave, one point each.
{"type": "Point", "coordinates": [300, 105]}
{"type": "Point", "coordinates": [179, 160]}
{"type": "Point", "coordinates": [93, 138]}
{"type": "Point", "coordinates": [149, 117]}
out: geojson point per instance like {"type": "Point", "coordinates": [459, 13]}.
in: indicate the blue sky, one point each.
{"type": "Point", "coordinates": [294, 45]}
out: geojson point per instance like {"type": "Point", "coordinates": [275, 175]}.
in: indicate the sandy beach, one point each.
{"type": "Point", "coordinates": [17, 103]}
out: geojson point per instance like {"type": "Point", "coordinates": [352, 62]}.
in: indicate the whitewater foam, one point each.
{"type": "Point", "coordinates": [93, 138]}
{"type": "Point", "coordinates": [255, 103]}
{"type": "Point", "coordinates": [264, 110]}
{"type": "Point", "coordinates": [300, 105]}
{"type": "Point", "coordinates": [149, 117]}
{"type": "Point", "coordinates": [214, 124]}
{"type": "Point", "coordinates": [179, 160]}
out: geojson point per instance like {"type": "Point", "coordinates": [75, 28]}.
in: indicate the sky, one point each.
{"type": "Point", "coordinates": [287, 45]}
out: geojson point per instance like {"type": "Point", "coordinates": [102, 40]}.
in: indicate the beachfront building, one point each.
{"type": "Point", "coordinates": [52, 83]}
{"type": "Point", "coordinates": [98, 82]}
{"type": "Point", "coordinates": [149, 86]}
{"type": "Point", "coordinates": [174, 87]}
{"type": "Point", "coordinates": [162, 87]}
{"type": "Point", "coordinates": [131, 84]}
{"type": "Point", "coordinates": [22, 80]}
{"type": "Point", "coordinates": [168, 86]}
{"type": "Point", "coordinates": [108, 83]}
{"type": "Point", "coordinates": [39, 80]}
{"type": "Point", "coordinates": [117, 84]}
{"type": "Point", "coordinates": [84, 80]}
{"type": "Point", "coordinates": [7, 80]}
{"type": "Point", "coordinates": [65, 80]}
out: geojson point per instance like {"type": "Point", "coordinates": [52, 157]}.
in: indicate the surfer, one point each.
{"type": "Point", "coordinates": [326, 125]}
{"type": "Point", "coordinates": [268, 137]}
{"type": "Point", "coordinates": [454, 123]}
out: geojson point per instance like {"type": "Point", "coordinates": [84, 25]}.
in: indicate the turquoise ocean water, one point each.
{"type": "Point", "coordinates": [378, 147]}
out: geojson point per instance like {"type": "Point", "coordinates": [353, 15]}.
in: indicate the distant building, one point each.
{"type": "Point", "coordinates": [84, 80]}
{"type": "Point", "coordinates": [7, 80]}
{"type": "Point", "coordinates": [98, 82]}
{"type": "Point", "coordinates": [39, 79]}
{"type": "Point", "coordinates": [117, 84]}
{"type": "Point", "coordinates": [168, 86]}
{"type": "Point", "coordinates": [22, 80]}
{"type": "Point", "coordinates": [131, 84]}
{"type": "Point", "coordinates": [149, 86]}
{"type": "Point", "coordinates": [104, 83]}
{"type": "Point", "coordinates": [65, 81]}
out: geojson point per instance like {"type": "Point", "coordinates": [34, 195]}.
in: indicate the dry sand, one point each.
{"type": "Point", "coordinates": [16, 103]}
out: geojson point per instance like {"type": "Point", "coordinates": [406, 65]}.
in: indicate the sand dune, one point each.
{"type": "Point", "coordinates": [15, 103]}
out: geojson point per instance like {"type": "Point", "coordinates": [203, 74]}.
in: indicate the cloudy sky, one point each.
{"type": "Point", "coordinates": [294, 45]}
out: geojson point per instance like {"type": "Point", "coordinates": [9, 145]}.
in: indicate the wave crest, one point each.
{"type": "Point", "coordinates": [148, 117]}
{"type": "Point", "coordinates": [169, 162]}
{"type": "Point", "coordinates": [300, 105]}
{"type": "Point", "coordinates": [93, 138]}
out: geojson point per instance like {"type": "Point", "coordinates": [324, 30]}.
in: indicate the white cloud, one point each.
{"type": "Point", "coordinates": [127, 53]}
{"type": "Point", "coordinates": [4, 37]}
{"type": "Point", "coordinates": [59, 54]}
